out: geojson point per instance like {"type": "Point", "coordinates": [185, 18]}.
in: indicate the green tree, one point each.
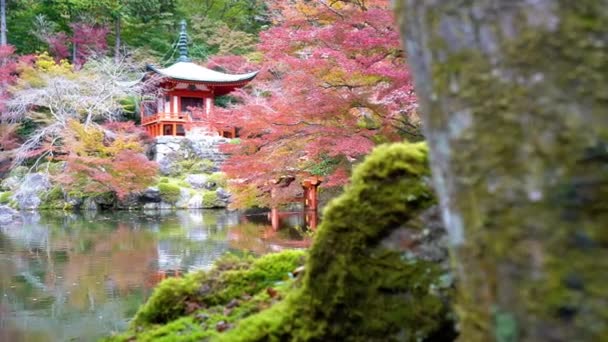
{"type": "Point", "coordinates": [242, 15]}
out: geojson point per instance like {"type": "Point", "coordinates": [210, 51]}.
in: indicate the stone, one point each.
{"type": "Point", "coordinates": [168, 165]}
{"type": "Point", "coordinates": [198, 181]}
{"type": "Point", "coordinates": [184, 198]}
{"type": "Point", "coordinates": [223, 197]}
{"type": "Point", "coordinates": [196, 202]}
{"type": "Point", "coordinates": [428, 244]}
{"type": "Point", "coordinates": [150, 195]}
{"type": "Point", "coordinates": [131, 201]}
{"type": "Point", "coordinates": [169, 151]}
{"type": "Point", "coordinates": [74, 202]}
{"type": "Point", "coordinates": [223, 194]}
{"type": "Point", "coordinates": [7, 214]}
{"type": "Point", "coordinates": [89, 204]}
{"type": "Point", "coordinates": [222, 326]}
{"type": "Point", "coordinates": [151, 206]}
{"type": "Point", "coordinates": [233, 303]}
{"type": "Point", "coordinates": [27, 194]}
{"type": "Point", "coordinates": [10, 183]}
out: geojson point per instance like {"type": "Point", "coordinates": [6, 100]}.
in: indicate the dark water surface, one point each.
{"type": "Point", "coordinates": [78, 277]}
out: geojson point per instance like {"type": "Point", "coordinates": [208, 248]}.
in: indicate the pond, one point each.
{"type": "Point", "coordinates": [78, 277]}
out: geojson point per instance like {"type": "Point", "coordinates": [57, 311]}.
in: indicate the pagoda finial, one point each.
{"type": "Point", "coordinates": [182, 44]}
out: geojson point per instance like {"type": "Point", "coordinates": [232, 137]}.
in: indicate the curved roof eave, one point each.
{"type": "Point", "coordinates": [190, 72]}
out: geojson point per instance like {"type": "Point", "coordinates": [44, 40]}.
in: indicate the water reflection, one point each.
{"type": "Point", "coordinates": [78, 277]}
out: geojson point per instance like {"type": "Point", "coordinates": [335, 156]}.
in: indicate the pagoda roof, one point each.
{"type": "Point", "coordinates": [192, 72]}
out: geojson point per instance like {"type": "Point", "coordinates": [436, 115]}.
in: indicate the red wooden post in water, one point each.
{"type": "Point", "coordinates": [274, 213]}
{"type": "Point", "coordinates": [310, 200]}
{"type": "Point", "coordinates": [311, 217]}
{"type": "Point", "coordinates": [311, 194]}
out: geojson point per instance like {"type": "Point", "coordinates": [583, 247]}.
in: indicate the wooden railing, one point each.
{"type": "Point", "coordinates": [195, 119]}
{"type": "Point", "coordinates": [159, 117]}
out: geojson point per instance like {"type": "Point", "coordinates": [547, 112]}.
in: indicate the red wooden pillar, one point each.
{"type": "Point", "coordinates": [274, 218]}
{"type": "Point", "coordinates": [274, 213]}
{"type": "Point", "coordinates": [311, 196]}
{"type": "Point", "coordinates": [311, 217]}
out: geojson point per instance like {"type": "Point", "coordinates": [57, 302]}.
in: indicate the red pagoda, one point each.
{"type": "Point", "coordinates": [187, 97]}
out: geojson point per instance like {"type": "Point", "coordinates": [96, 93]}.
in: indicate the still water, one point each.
{"type": "Point", "coordinates": [78, 277]}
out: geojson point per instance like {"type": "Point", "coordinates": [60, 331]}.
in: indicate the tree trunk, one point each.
{"type": "Point", "coordinates": [74, 53]}
{"type": "Point", "coordinates": [117, 41]}
{"type": "Point", "coordinates": [514, 95]}
{"type": "Point", "coordinates": [3, 40]}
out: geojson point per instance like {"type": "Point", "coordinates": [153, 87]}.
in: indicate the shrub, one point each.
{"type": "Point", "coordinates": [53, 199]}
{"type": "Point", "coordinates": [219, 178]}
{"type": "Point", "coordinates": [196, 166]}
{"type": "Point", "coordinates": [210, 200]}
{"type": "Point", "coordinates": [169, 193]}
{"type": "Point", "coordinates": [5, 197]}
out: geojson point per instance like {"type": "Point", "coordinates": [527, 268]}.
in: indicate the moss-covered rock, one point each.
{"type": "Point", "coordinates": [5, 197]}
{"type": "Point", "coordinates": [211, 200]}
{"type": "Point", "coordinates": [196, 166]}
{"type": "Point", "coordinates": [169, 192]}
{"type": "Point", "coordinates": [218, 180]}
{"type": "Point", "coordinates": [190, 308]}
{"type": "Point", "coordinates": [54, 199]}
{"type": "Point", "coordinates": [356, 288]}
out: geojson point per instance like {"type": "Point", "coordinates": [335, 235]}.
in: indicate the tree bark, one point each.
{"type": "Point", "coordinates": [117, 31]}
{"type": "Point", "coordinates": [3, 40]}
{"type": "Point", "coordinates": [514, 96]}
{"type": "Point", "coordinates": [74, 53]}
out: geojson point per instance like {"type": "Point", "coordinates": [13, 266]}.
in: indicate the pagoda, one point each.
{"type": "Point", "coordinates": [187, 94]}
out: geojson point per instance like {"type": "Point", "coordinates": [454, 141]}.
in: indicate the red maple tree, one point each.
{"type": "Point", "coordinates": [106, 161]}
{"type": "Point", "coordinates": [86, 41]}
{"type": "Point", "coordinates": [333, 84]}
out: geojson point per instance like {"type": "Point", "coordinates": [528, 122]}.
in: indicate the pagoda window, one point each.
{"type": "Point", "coordinates": [192, 105]}
{"type": "Point", "coordinates": [167, 129]}
{"type": "Point", "coordinates": [180, 130]}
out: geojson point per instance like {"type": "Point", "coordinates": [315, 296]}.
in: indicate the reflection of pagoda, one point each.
{"type": "Point", "coordinates": [188, 93]}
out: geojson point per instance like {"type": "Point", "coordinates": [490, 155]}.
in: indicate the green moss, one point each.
{"type": "Point", "coordinates": [169, 192]}
{"type": "Point", "coordinates": [54, 199]}
{"type": "Point", "coordinates": [164, 180]}
{"type": "Point", "coordinates": [184, 184]}
{"type": "Point", "coordinates": [210, 200]}
{"type": "Point", "coordinates": [5, 197]}
{"type": "Point", "coordinates": [354, 288]}
{"type": "Point", "coordinates": [19, 172]}
{"type": "Point", "coordinates": [219, 179]}
{"type": "Point", "coordinates": [202, 323]}
{"type": "Point", "coordinates": [53, 168]}
{"type": "Point", "coordinates": [232, 277]}
{"type": "Point", "coordinates": [196, 166]}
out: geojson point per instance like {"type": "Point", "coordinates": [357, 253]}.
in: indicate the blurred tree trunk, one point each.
{"type": "Point", "coordinates": [3, 40]}
{"type": "Point", "coordinates": [514, 95]}
{"type": "Point", "coordinates": [117, 31]}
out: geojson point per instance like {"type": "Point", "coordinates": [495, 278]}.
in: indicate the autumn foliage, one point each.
{"type": "Point", "coordinates": [100, 162]}
{"type": "Point", "coordinates": [333, 85]}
